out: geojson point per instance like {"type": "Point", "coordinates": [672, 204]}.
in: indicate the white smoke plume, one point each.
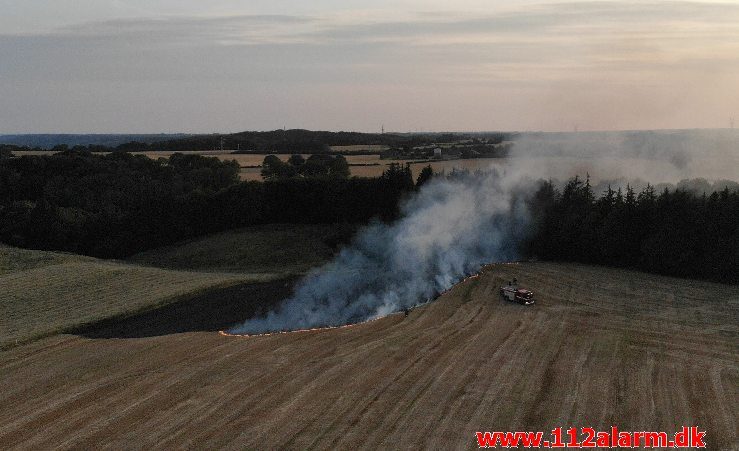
{"type": "Point", "coordinates": [446, 231]}
{"type": "Point", "coordinates": [659, 157]}
{"type": "Point", "coordinates": [452, 226]}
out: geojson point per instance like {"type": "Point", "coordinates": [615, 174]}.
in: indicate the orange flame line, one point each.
{"type": "Point", "coordinates": [315, 329]}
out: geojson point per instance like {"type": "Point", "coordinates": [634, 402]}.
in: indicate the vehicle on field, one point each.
{"type": "Point", "coordinates": [513, 293]}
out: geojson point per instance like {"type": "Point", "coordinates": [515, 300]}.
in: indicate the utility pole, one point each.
{"type": "Point", "coordinates": [731, 122]}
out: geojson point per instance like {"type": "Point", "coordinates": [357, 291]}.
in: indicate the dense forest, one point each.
{"type": "Point", "coordinates": [118, 204]}
{"type": "Point", "coordinates": [674, 232]}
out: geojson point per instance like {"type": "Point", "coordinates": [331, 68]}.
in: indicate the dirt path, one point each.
{"type": "Point", "coordinates": [602, 347]}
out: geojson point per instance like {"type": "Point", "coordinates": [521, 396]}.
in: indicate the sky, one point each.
{"type": "Point", "coordinates": [155, 66]}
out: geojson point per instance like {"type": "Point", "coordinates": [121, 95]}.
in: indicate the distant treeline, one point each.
{"type": "Point", "coordinates": [45, 141]}
{"type": "Point", "coordinates": [317, 165]}
{"type": "Point", "coordinates": [118, 204]}
{"type": "Point", "coordinates": [277, 141]}
{"type": "Point", "coordinates": [674, 232]}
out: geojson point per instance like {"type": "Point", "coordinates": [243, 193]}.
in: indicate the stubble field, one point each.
{"type": "Point", "coordinates": [42, 293]}
{"type": "Point", "coordinates": [601, 347]}
{"type": "Point", "coordinates": [45, 292]}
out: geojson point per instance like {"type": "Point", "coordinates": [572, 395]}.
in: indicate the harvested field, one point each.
{"type": "Point", "coordinates": [13, 259]}
{"type": "Point", "coordinates": [50, 292]}
{"type": "Point", "coordinates": [601, 347]}
{"type": "Point", "coordinates": [46, 292]}
{"type": "Point", "coordinates": [361, 148]}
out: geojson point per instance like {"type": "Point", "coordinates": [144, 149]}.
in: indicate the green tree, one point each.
{"type": "Point", "coordinates": [296, 161]}
{"type": "Point", "coordinates": [316, 165]}
{"type": "Point", "coordinates": [424, 176]}
{"type": "Point", "coordinates": [338, 167]}
{"type": "Point", "coordinates": [274, 168]}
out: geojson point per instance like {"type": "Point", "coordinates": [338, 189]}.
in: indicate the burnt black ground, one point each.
{"type": "Point", "coordinates": [210, 311]}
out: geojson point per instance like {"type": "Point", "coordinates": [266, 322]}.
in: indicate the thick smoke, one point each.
{"type": "Point", "coordinates": [454, 225]}
{"type": "Point", "coordinates": [667, 158]}
{"type": "Point", "coordinates": [447, 231]}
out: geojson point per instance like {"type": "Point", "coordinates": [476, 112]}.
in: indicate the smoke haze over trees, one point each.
{"type": "Point", "coordinates": [676, 233]}
{"type": "Point", "coordinates": [462, 220]}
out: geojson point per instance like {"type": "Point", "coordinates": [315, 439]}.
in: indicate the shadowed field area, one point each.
{"type": "Point", "coordinates": [272, 248]}
{"type": "Point", "coordinates": [601, 347]}
{"type": "Point", "coordinates": [43, 293]}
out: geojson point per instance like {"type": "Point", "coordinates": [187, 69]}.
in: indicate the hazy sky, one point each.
{"type": "Point", "coordinates": [219, 66]}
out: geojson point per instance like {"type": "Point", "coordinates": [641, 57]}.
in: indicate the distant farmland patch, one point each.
{"type": "Point", "coordinates": [361, 148]}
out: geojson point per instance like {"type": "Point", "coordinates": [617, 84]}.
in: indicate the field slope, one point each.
{"type": "Point", "coordinates": [273, 248]}
{"type": "Point", "coordinates": [50, 292]}
{"type": "Point", "coordinates": [47, 292]}
{"type": "Point", "coordinates": [602, 347]}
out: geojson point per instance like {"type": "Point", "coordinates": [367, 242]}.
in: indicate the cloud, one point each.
{"type": "Point", "coordinates": [691, 19]}
{"type": "Point", "coordinates": [579, 54]}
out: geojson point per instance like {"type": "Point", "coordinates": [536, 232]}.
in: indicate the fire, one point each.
{"type": "Point", "coordinates": [316, 329]}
